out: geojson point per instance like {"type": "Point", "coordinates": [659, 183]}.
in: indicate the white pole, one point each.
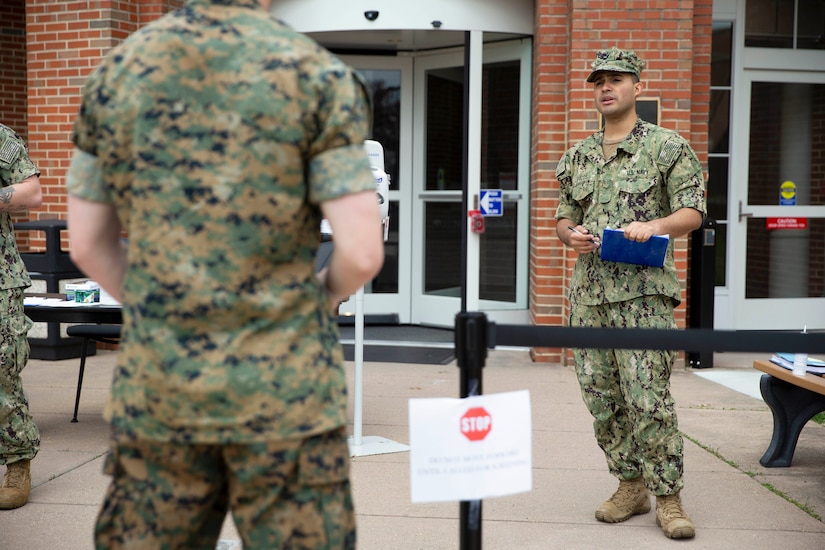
{"type": "Point", "coordinates": [358, 399]}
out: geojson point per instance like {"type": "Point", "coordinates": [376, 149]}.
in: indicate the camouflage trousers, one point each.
{"type": "Point", "coordinates": [19, 436]}
{"type": "Point", "coordinates": [628, 394]}
{"type": "Point", "coordinates": [285, 494]}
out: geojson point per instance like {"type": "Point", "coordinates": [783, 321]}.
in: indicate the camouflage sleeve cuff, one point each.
{"type": "Point", "coordinates": [19, 169]}
{"type": "Point", "coordinates": [689, 193]}
{"type": "Point", "coordinates": [693, 196]}
{"type": "Point", "coordinates": [569, 213]}
{"type": "Point", "coordinates": [85, 178]}
{"type": "Point", "coordinates": [339, 171]}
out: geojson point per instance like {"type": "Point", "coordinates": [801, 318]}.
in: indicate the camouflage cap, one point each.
{"type": "Point", "coordinates": [616, 60]}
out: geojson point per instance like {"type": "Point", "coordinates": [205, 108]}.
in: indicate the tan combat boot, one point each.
{"type": "Point", "coordinates": [630, 499]}
{"type": "Point", "coordinates": [672, 518]}
{"type": "Point", "coordinates": [17, 483]}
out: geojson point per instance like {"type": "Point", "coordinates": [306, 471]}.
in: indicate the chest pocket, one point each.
{"type": "Point", "coordinates": [640, 195]}
{"type": "Point", "coordinates": [639, 182]}
{"type": "Point", "coordinates": [582, 190]}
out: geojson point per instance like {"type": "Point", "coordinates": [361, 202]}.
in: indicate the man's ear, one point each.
{"type": "Point", "coordinates": [638, 88]}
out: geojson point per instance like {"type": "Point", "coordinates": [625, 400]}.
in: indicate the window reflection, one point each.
{"type": "Point", "coordinates": [785, 263]}
{"type": "Point", "coordinates": [785, 24]}
{"type": "Point", "coordinates": [385, 87]}
{"type": "Point", "coordinates": [787, 144]}
{"type": "Point", "coordinates": [721, 48]}
{"type": "Point", "coordinates": [719, 139]}
{"type": "Point", "coordinates": [445, 129]}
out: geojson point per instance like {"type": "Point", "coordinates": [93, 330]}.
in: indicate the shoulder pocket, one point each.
{"type": "Point", "coordinates": [582, 188]}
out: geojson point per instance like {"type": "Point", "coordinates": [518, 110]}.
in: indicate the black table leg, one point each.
{"type": "Point", "coordinates": [792, 407]}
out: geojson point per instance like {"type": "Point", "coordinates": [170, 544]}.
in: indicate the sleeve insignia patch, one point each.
{"type": "Point", "coordinates": [669, 153]}
{"type": "Point", "coordinates": [9, 150]}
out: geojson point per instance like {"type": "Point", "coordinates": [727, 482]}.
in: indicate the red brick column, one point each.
{"type": "Point", "coordinates": [13, 85]}
{"type": "Point", "coordinates": [548, 261]}
{"type": "Point", "coordinates": [65, 42]}
{"type": "Point", "coordinates": [13, 66]}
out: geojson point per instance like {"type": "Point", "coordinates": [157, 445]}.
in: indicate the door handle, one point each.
{"type": "Point", "coordinates": [512, 196]}
{"type": "Point", "coordinates": [744, 214]}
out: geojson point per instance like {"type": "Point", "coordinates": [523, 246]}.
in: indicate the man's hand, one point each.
{"type": "Point", "coordinates": [640, 231]}
{"type": "Point", "coordinates": [577, 237]}
{"type": "Point", "coordinates": [681, 222]}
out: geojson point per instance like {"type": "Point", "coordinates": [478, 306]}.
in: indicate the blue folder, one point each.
{"type": "Point", "coordinates": [615, 248]}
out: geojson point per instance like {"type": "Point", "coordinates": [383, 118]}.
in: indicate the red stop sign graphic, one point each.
{"type": "Point", "coordinates": [476, 423]}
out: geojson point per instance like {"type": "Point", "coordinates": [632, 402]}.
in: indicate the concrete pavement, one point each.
{"type": "Point", "coordinates": [731, 498]}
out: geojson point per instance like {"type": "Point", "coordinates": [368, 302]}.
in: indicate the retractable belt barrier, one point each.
{"type": "Point", "coordinates": [474, 335]}
{"type": "Point", "coordinates": [697, 340]}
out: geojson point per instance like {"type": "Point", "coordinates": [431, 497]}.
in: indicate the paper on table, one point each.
{"type": "Point", "coordinates": [615, 248]}
{"type": "Point", "coordinates": [815, 366]}
{"type": "Point", "coordinates": [55, 302]}
{"type": "Point", "coordinates": [40, 301]}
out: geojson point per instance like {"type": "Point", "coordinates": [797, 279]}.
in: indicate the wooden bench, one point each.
{"type": "Point", "coordinates": [793, 400]}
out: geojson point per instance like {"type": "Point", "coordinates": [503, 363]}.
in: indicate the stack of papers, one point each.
{"type": "Point", "coordinates": [39, 301]}
{"type": "Point", "coordinates": [616, 248]}
{"type": "Point", "coordinates": [57, 302]}
{"type": "Point", "coordinates": [815, 366]}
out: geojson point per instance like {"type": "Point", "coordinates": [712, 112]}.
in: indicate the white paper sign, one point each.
{"type": "Point", "coordinates": [472, 448]}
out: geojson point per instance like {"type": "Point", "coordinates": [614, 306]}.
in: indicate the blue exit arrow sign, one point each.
{"type": "Point", "coordinates": [491, 203]}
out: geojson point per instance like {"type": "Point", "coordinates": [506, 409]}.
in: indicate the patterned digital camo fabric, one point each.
{"type": "Point", "coordinates": [19, 436]}
{"type": "Point", "coordinates": [628, 394]}
{"type": "Point", "coordinates": [177, 496]}
{"type": "Point", "coordinates": [616, 60]}
{"type": "Point", "coordinates": [15, 166]}
{"type": "Point", "coordinates": [218, 132]}
{"type": "Point", "coordinates": [654, 173]}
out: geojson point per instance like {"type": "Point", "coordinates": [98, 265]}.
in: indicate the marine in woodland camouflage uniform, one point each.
{"type": "Point", "coordinates": [19, 436]}
{"type": "Point", "coordinates": [652, 174]}
{"type": "Point", "coordinates": [216, 132]}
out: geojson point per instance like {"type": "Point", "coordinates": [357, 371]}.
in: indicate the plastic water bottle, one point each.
{"type": "Point", "coordinates": [800, 360]}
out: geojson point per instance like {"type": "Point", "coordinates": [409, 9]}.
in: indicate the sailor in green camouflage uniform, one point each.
{"type": "Point", "coordinates": [19, 436]}
{"type": "Point", "coordinates": [644, 179]}
{"type": "Point", "coordinates": [216, 138]}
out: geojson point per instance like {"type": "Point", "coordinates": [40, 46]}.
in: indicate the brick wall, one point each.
{"type": "Point", "coordinates": [13, 66]}
{"type": "Point", "coordinates": [674, 38]}
{"type": "Point", "coordinates": [549, 265]}
{"type": "Point", "coordinates": [66, 41]}
{"type": "Point", "coordinates": [13, 88]}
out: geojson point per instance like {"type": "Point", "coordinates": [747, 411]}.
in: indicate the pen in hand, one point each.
{"type": "Point", "coordinates": [593, 239]}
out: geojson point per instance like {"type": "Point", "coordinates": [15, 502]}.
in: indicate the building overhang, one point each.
{"type": "Point", "coordinates": [396, 26]}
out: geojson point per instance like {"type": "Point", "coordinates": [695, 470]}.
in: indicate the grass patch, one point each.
{"type": "Point", "coordinates": [819, 418]}
{"type": "Point", "coordinates": [804, 507]}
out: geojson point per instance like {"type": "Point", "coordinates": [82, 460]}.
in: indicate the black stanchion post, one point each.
{"type": "Point", "coordinates": [471, 353]}
{"type": "Point", "coordinates": [702, 283]}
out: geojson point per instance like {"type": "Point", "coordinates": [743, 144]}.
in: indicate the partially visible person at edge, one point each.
{"type": "Point", "coordinates": [646, 180]}
{"type": "Point", "coordinates": [216, 138]}
{"type": "Point", "coordinates": [19, 436]}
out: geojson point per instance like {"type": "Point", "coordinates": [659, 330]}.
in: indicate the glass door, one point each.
{"type": "Point", "coordinates": [438, 218]}
{"type": "Point", "coordinates": [390, 81]}
{"type": "Point", "coordinates": [780, 249]}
